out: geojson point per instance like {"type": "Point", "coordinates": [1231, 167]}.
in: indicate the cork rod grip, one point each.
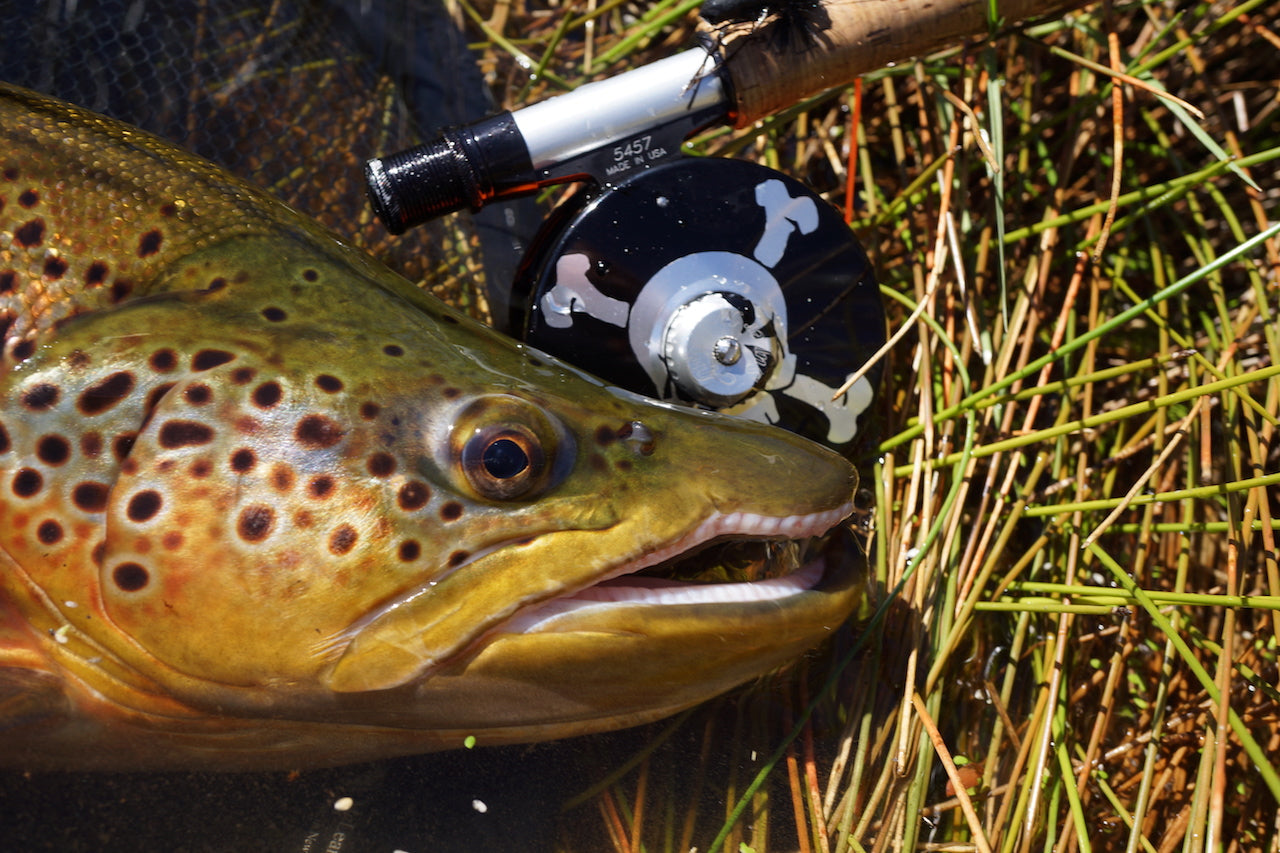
{"type": "Point", "coordinates": [768, 74]}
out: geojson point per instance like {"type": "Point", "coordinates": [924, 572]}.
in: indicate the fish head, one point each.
{"type": "Point", "coordinates": [578, 579]}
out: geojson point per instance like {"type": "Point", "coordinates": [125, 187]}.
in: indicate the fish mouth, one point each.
{"type": "Point", "coordinates": [731, 559]}
{"type": "Point", "coordinates": [801, 591]}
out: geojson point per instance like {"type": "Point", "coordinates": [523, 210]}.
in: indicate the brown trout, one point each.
{"type": "Point", "coordinates": [264, 503]}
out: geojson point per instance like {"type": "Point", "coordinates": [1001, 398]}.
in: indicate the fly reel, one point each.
{"type": "Point", "coordinates": [712, 282]}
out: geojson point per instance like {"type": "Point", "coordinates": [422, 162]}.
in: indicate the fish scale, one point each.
{"type": "Point", "coordinates": [252, 515]}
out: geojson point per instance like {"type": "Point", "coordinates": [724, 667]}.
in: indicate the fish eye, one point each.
{"type": "Point", "coordinates": [503, 461]}
{"type": "Point", "coordinates": [505, 448]}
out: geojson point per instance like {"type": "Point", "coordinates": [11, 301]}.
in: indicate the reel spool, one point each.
{"type": "Point", "coordinates": [713, 282]}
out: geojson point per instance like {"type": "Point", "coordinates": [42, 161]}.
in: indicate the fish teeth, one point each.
{"type": "Point", "coordinates": [744, 524]}
{"type": "Point", "coordinates": [654, 591]}
{"type": "Point", "coordinates": [622, 586]}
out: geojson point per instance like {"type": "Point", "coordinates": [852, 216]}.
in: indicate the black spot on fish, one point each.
{"type": "Point", "coordinates": [457, 558]}
{"type": "Point", "coordinates": [122, 446]}
{"type": "Point", "coordinates": [451, 511]}
{"type": "Point", "coordinates": [409, 550]}
{"type": "Point", "coordinates": [394, 350]}
{"type": "Point", "coordinates": [208, 359]}
{"type": "Point", "coordinates": [243, 375]}
{"type": "Point", "coordinates": [413, 495]}
{"type": "Point", "coordinates": [53, 450]}
{"type": "Point", "coordinates": [7, 278]}
{"type": "Point", "coordinates": [255, 523]}
{"type": "Point", "coordinates": [243, 460]}
{"type": "Point", "coordinates": [90, 496]}
{"type": "Point", "coordinates": [22, 350]}
{"type": "Point", "coordinates": [321, 486]}
{"type": "Point", "coordinates": [49, 532]}
{"type": "Point", "coordinates": [164, 360]}
{"type": "Point", "coordinates": [96, 274]}
{"type": "Point", "coordinates": [605, 436]}
{"type": "Point", "coordinates": [369, 411]}
{"type": "Point", "coordinates": [120, 290]}
{"type": "Point", "coordinates": [200, 468]}
{"type": "Point", "coordinates": [266, 395]}
{"type": "Point", "coordinates": [310, 275]}
{"type": "Point", "coordinates": [382, 465]}
{"type": "Point", "coordinates": [106, 393]}
{"type": "Point", "coordinates": [149, 243]}
{"type": "Point", "coordinates": [91, 444]}
{"type": "Point", "coordinates": [332, 384]}
{"type": "Point", "coordinates": [317, 432]}
{"type": "Point", "coordinates": [144, 505]}
{"type": "Point", "coordinates": [54, 268]}
{"type": "Point", "coordinates": [178, 433]}
{"type": "Point", "coordinates": [130, 577]}
{"type": "Point", "coordinates": [42, 397]}
{"type": "Point", "coordinates": [198, 395]}
{"type": "Point", "coordinates": [167, 210]}
{"type": "Point", "coordinates": [29, 199]}
{"type": "Point", "coordinates": [343, 539]}
{"type": "Point", "coordinates": [274, 314]}
{"type": "Point", "coordinates": [27, 482]}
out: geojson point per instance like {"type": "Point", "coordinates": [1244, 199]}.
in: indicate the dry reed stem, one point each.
{"type": "Point", "coordinates": [1073, 712]}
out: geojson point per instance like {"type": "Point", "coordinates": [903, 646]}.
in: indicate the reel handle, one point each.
{"type": "Point", "coordinates": [764, 77]}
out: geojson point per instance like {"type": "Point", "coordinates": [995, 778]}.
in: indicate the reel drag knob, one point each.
{"type": "Point", "coordinates": [703, 349]}
{"type": "Point", "coordinates": [712, 282]}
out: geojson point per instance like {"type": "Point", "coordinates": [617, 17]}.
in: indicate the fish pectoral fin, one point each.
{"type": "Point", "coordinates": [30, 699]}
{"type": "Point", "coordinates": [374, 663]}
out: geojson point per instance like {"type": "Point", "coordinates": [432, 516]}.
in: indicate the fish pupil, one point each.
{"type": "Point", "coordinates": [504, 459]}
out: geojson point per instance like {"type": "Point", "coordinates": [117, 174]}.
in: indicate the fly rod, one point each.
{"type": "Point", "coordinates": [755, 58]}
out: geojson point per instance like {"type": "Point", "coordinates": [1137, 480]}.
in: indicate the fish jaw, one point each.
{"type": "Point", "coordinates": [633, 650]}
{"type": "Point", "coordinates": [418, 636]}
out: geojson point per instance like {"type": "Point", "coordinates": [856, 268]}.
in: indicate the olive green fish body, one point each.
{"type": "Point", "coordinates": [264, 503]}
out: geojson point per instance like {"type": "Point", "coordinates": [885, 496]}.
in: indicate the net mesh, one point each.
{"type": "Point", "coordinates": [293, 95]}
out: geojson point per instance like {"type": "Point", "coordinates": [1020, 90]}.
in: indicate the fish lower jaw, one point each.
{"type": "Point", "coordinates": [647, 590]}
{"type": "Point", "coordinates": [624, 588]}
